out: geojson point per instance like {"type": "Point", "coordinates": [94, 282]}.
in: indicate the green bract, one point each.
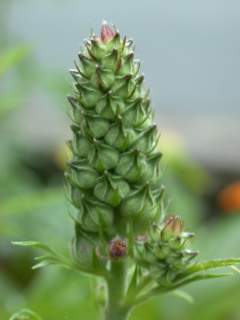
{"type": "Point", "coordinates": [114, 174]}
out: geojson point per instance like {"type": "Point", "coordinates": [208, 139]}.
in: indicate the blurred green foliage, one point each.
{"type": "Point", "coordinates": [32, 210]}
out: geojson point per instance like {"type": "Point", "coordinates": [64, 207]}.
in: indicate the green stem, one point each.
{"type": "Point", "coordinates": [116, 308]}
{"type": "Point", "coordinates": [116, 314]}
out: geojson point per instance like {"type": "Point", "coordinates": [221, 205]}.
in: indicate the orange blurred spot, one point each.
{"type": "Point", "coordinates": [229, 197]}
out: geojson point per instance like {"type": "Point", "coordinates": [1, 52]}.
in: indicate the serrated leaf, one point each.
{"type": "Point", "coordinates": [51, 258]}
{"type": "Point", "coordinates": [34, 244]}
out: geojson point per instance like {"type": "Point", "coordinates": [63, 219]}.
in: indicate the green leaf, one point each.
{"type": "Point", "coordinates": [183, 295]}
{"type": "Point", "coordinates": [207, 265]}
{"type": "Point", "coordinates": [199, 277]}
{"type": "Point", "coordinates": [52, 258]}
{"type": "Point", "coordinates": [25, 314]}
{"type": "Point", "coordinates": [161, 290]}
{"type": "Point", "coordinates": [34, 244]}
{"type": "Point", "coordinates": [41, 264]}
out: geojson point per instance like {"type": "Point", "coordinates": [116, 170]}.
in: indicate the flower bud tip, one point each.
{"type": "Point", "coordinates": [107, 33]}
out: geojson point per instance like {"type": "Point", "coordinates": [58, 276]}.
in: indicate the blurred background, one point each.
{"type": "Point", "coordinates": [190, 53]}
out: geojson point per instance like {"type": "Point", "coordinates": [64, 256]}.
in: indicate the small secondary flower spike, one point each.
{"type": "Point", "coordinates": [122, 232]}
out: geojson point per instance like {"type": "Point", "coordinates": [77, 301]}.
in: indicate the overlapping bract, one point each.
{"type": "Point", "coordinates": [165, 252]}
{"type": "Point", "coordinates": [114, 174]}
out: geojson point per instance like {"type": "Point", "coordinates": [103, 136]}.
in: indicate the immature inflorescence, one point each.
{"type": "Point", "coordinates": [165, 251]}
{"type": "Point", "coordinates": [114, 175]}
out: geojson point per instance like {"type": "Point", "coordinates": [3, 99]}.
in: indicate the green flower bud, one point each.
{"type": "Point", "coordinates": [98, 126]}
{"type": "Point", "coordinates": [88, 96]}
{"type": "Point", "coordinates": [115, 164]}
{"type": "Point", "coordinates": [81, 146]}
{"type": "Point", "coordinates": [88, 65]}
{"type": "Point", "coordinates": [111, 189]}
{"type": "Point", "coordinates": [84, 252]}
{"type": "Point", "coordinates": [82, 175]}
{"type": "Point", "coordinates": [165, 252]}
{"type": "Point", "coordinates": [120, 137]}
{"type": "Point", "coordinates": [141, 207]}
{"type": "Point", "coordinates": [135, 167]}
{"type": "Point", "coordinates": [173, 227]}
{"type": "Point", "coordinates": [137, 114]}
{"type": "Point", "coordinates": [105, 109]}
{"type": "Point", "coordinates": [105, 77]}
{"type": "Point", "coordinates": [103, 156]}
{"type": "Point", "coordinates": [94, 215]}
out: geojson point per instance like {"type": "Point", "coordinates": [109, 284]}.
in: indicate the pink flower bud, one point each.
{"type": "Point", "coordinates": [107, 33]}
{"type": "Point", "coordinates": [118, 248]}
{"type": "Point", "coordinates": [172, 226]}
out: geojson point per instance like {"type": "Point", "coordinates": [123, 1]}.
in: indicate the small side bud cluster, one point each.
{"type": "Point", "coordinates": [165, 252]}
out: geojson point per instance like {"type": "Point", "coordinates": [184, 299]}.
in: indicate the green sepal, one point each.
{"type": "Point", "coordinates": [81, 146]}
{"type": "Point", "coordinates": [138, 114]}
{"type": "Point", "coordinates": [96, 49]}
{"type": "Point", "coordinates": [141, 206]}
{"type": "Point", "coordinates": [94, 215]}
{"type": "Point", "coordinates": [135, 167]}
{"type": "Point", "coordinates": [76, 195]}
{"type": "Point", "coordinates": [89, 66]}
{"type": "Point", "coordinates": [147, 140]}
{"type": "Point", "coordinates": [125, 88]}
{"type": "Point", "coordinates": [110, 61]}
{"type": "Point", "coordinates": [106, 78]}
{"type": "Point", "coordinates": [97, 125]}
{"type": "Point", "coordinates": [82, 175]}
{"type": "Point", "coordinates": [120, 137]}
{"type": "Point", "coordinates": [127, 65]}
{"type": "Point", "coordinates": [86, 252]}
{"type": "Point", "coordinates": [104, 108]}
{"type": "Point", "coordinates": [110, 107]}
{"type": "Point", "coordinates": [111, 189]}
{"type": "Point", "coordinates": [88, 96]}
{"type": "Point", "coordinates": [83, 251]}
{"type": "Point", "coordinates": [103, 157]}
